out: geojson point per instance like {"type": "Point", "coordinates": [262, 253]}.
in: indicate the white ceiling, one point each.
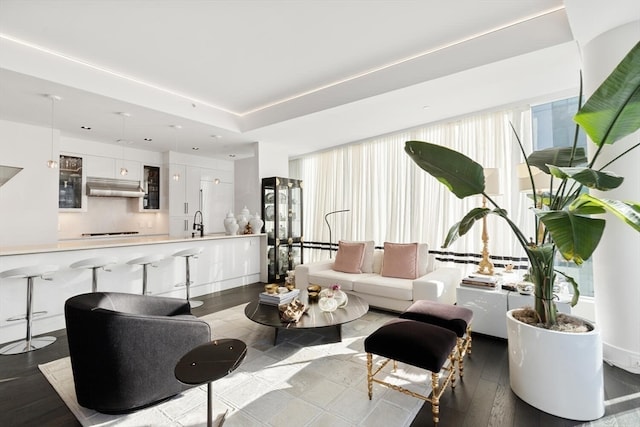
{"type": "Point", "coordinates": [302, 75]}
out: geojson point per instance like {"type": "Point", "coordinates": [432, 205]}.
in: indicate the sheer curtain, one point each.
{"type": "Point", "coordinates": [391, 199]}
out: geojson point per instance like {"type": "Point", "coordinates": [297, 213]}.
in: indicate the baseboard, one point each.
{"type": "Point", "coordinates": [621, 358]}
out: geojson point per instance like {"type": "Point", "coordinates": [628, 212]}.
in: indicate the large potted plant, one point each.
{"type": "Point", "coordinates": [567, 226]}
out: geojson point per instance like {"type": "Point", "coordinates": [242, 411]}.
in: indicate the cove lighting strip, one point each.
{"type": "Point", "coordinates": [283, 100]}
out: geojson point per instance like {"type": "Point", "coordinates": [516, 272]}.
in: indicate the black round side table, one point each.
{"type": "Point", "coordinates": [208, 363]}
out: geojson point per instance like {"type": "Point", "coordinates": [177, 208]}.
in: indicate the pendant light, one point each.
{"type": "Point", "coordinates": [52, 163]}
{"type": "Point", "coordinates": [176, 175]}
{"type": "Point", "coordinates": [123, 170]}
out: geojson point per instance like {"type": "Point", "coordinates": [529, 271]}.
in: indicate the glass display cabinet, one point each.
{"type": "Point", "coordinates": [282, 215]}
{"type": "Point", "coordinates": [70, 183]}
{"type": "Point", "coordinates": [151, 180]}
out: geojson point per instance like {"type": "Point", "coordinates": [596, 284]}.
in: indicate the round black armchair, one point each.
{"type": "Point", "coordinates": [124, 348]}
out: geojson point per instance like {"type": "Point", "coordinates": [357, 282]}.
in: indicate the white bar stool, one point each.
{"type": "Point", "coordinates": [94, 264]}
{"type": "Point", "coordinates": [187, 254]}
{"type": "Point", "coordinates": [30, 273]}
{"type": "Point", "coordinates": [145, 261]}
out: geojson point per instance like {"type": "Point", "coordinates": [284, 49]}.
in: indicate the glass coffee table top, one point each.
{"type": "Point", "coordinates": [269, 315]}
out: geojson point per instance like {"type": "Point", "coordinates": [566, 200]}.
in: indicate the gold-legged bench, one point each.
{"type": "Point", "coordinates": [417, 344]}
{"type": "Point", "coordinates": [452, 317]}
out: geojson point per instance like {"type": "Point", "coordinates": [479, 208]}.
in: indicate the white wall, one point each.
{"type": "Point", "coordinates": [29, 201]}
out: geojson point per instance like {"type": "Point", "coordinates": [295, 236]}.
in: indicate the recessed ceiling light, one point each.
{"type": "Point", "coordinates": [148, 139]}
{"type": "Point", "coordinates": [232, 155]}
{"type": "Point", "coordinates": [216, 136]}
{"type": "Point", "coordinates": [85, 127]}
{"type": "Point", "coordinates": [195, 148]}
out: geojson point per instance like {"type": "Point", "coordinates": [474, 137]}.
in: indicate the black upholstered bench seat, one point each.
{"type": "Point", "coordinates": [452, 317]}
{"type": "Point", "coordinates": [414, 343]}
{"type": "Point", "coordinates": [417, 344]}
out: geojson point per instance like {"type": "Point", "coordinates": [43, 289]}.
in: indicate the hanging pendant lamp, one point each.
{"type": "Point", "coordinates": [176, 175]}
{"type": "Point", "coordinates": [52, 163]}
{"type": "Point", "coordinates": [123, 170]}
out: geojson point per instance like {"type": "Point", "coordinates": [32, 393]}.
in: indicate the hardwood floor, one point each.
{"type": "Point", "coordinates": [483, 398]}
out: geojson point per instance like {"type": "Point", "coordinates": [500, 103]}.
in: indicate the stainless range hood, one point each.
{"type": "Point", "coordinates": [105, 187]}
{"type": "Point", "coordinates": [7, 172]}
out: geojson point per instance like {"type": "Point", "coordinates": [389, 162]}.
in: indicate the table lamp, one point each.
{"type": "Point", "coordinates": [491, 188]}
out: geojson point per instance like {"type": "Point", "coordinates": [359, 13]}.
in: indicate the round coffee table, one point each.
{"type": "Point", "coordinates": [269, 315]}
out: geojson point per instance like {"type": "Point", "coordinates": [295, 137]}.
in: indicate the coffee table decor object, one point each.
{"type": "Point", "coordinates": [335, 292]}
{"type": "Point", "coordinates": [292, 312]}
{"type": "Point", "coordinates": [283, 296]}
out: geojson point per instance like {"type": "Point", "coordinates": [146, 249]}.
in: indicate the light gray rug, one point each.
{"type": "Point", "coordinates": [305, 380]}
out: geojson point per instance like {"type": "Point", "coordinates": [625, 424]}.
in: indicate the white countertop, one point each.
{"type": "Point", "coordinates": [109, 242]}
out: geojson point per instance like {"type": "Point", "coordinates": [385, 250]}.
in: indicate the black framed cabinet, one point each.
{"type": "Point", "coordinates": [282, 215]}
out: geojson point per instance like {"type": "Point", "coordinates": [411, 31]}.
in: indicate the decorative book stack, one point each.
{"type": "Point", "coordinates": [278, 298]}
{"type": "Point", "coordinates": [480, 281]}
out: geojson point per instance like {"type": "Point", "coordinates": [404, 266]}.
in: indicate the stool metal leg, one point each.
{"type": "Point", "coordinates": [188, 284]}
{"type": "Point", "coordinates": [94, 279]}
{"type": "Point", "coordinates": [144, 278]}
{"type": "Point", "coordinates": [28, 344]}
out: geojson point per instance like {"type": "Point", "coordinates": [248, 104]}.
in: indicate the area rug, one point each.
{"type": "Point", "coordinates": [307, 379]}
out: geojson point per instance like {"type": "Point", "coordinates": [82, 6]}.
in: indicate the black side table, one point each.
{"type": "Point", "coordinates": [210, 362]}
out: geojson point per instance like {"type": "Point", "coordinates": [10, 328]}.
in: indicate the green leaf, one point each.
{"type": "Point", "coordinates": [464, 225]}
{"type": "Point", "coordinates": [613, 111]}
{"type": "Point", "coordinates": [600, 180]}
{"type": "Point", "coordinates": [628, 212]}
{"type": "Point", "coordinates": [556, 156]}
{"type": "Point", "coordinates": [574, 285]}
{"type": "Point", "coordinates": [461, 175]}
{"type": "Point", "coordinates": [575, 236]}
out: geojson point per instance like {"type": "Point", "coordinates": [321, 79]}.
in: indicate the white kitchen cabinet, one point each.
{"type": "Point", "coordinates": [109, 167]}
{"type": "Point", "coordinates": [99, 167]}
{"type": "Point", "coordinates": [184, 198]}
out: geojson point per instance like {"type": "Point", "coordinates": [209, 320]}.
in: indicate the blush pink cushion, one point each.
{"type": "Point", "coordinates": [400, 260]}
{"type": "Point", "coordinates": [349, 257]}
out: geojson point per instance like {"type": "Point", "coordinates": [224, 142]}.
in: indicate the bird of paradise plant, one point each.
{"type": "Point", "coordinates": [568, 225]}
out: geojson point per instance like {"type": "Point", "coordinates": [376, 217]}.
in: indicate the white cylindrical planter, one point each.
{"type": "Point", "coordinates": [557, 372]}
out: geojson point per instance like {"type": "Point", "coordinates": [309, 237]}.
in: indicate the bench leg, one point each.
{"type": "Point", "coordinates": [369, 375]}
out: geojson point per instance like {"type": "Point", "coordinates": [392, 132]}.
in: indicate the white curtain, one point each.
{"type": "Point", "coordinates": [391, 199]}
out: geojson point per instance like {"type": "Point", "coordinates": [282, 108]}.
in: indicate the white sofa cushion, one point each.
{"type": "Point", "coordinates": [387, 287]}
{"type": "Point", "coordinates": [326, 278]}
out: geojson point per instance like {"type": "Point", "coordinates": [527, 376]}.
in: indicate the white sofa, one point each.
{"type": "Point", "coordinates": [389, 293]}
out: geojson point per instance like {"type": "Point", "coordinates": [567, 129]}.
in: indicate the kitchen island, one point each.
{"type": "Point", "coordinates": [225, 262]}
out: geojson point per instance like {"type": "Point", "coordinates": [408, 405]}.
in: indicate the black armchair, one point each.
{"type": "Point", "coordinates": [124, 348]}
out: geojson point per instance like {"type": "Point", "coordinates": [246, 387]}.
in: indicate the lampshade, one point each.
{"type": "Point", "coordinates": [541, 180]}
{"type": "Point", "coordinates": [492, 184]}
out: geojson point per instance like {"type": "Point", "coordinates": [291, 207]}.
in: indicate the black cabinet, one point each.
{"type": "Point", "coordinates": [151, 180]}
{"type": "Point", "coordinates": [282, 214]}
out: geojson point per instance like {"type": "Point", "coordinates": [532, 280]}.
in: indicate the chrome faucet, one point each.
{"type": "Point", "coordinates": [199, 226]}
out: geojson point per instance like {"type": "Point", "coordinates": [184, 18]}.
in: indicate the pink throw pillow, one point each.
{"type": "Point", "coordinates": [400, 260]}
{"type": "Point", "coordinates": [349, 257]}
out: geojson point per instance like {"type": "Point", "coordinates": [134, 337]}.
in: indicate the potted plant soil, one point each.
{"type": "Point", "coordinates": [557, 371]}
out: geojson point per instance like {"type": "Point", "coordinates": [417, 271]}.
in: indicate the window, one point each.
{"type": "Point", "coordinates": [553, 126]}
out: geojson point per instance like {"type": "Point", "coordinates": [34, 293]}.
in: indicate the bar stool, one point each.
{"type": "Point", "coordinates": [30, 273]}
{"type": "Point", "coordinates": [94, 264]}
{"type": "Point", "coordinates": [187, 254]}
{"type": "Point", "coordinates": [144, 261]}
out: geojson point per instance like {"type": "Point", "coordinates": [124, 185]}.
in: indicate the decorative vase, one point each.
{"type": "Point", "coordinates": [256, 223]}
{"type": "Point", "coordinates": [341, 298]}
{"type": "Point", "coordinates": [571, 384]}
{"type": "Point", "coordinates": [230, 224]}
{"type": "Point", "coordinates": [328, 304]}
{"type": "Point", "coordinates": [338, 295]}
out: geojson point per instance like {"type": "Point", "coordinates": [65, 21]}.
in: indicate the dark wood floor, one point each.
{"type": "Point", "coordinates": [482, 399]}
